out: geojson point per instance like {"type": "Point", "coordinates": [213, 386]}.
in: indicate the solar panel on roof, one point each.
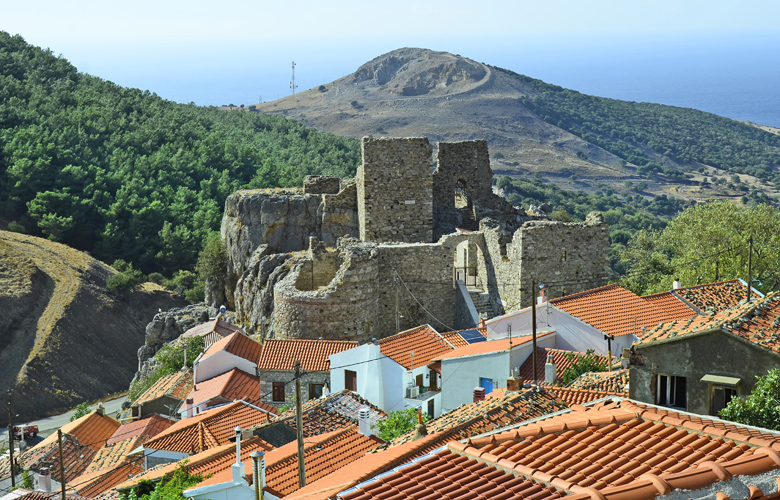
{"type": "Point", "coordinates": [472, 336]}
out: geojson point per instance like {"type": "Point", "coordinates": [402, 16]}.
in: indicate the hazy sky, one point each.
{"type": "Point", "coordinates": [166, 46]}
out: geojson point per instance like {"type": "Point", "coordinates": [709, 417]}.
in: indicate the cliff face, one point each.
{"type": "Point", "coordinates": [64, 338]}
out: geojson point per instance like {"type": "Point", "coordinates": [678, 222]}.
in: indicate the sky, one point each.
{"type": "Point", "coordinates": [190, 51]}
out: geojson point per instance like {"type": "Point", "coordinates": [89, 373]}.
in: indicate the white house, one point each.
{"type": "Point", "coordinates": [234, 351]}
{"type": "Point", "coordinates": [484, 364]}
{"type": "Point", "coordinates": [394, 373]}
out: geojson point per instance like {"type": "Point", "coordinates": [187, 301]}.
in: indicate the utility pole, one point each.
{"type": "Point", "coordinates": [62, 463]}
{"type": "Point", "coordinates": [299, 425]}
{"type": "Point", "coordinates": [11, 440]}
{"type": "Point", "coordinates": [292, 82]}
{"type": "Point", "coordinates": [609, 338]}
{"type": "Point", "coordinates": [750, 268]}
{"type": "Point", "coordinates": [533, 327]}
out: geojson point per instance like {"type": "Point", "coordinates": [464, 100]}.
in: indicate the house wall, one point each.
{"type": "Point", "coordinates": [163, 406]}
{"type": "Point", "coordinates": [694, 356]}
{"type": "Point", "coordinates": [267, 379]}
{"type": "Point", "coordinates": [219, 363]}
{"type": "Point", "coordinates": [461, 375]}
{"type": "Point", "coordinates": [380, 380]}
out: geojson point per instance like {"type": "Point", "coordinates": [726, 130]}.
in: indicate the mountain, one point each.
{"type": "Point", "coordinates": [64, 338]}
{"type": "Point", "coordinates": [536, 128]}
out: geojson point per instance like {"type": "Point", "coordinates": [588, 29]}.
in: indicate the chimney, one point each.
{"type": "Point", "coordinates": [189, 402]}
{"type": "Point", "coordinates": [419, 415]}
{"type": "Point", "coordinates": [44, 480]}
{"type": "Point", "coordinates": [100, 410]}
{"type": "Point", "coordinates": [258, 474]}
{"type": "Point", "coordinates": [482, 322]}
{"type": "Point", "coordinates": [420, 431]}
{"type": "Point", "coordinates": [542, 298]}
{"type": "Point", "coordinates": [550, 370]}
{"type": "Point", "coordinates": [479, 394]}
{"type": "Point", "coordinates": [676, 284]}
{"type": "Point", "coordinates": [238, 467]}
{"type": "Point", "coordinates": [364, 421]}
{"type": "Point", "coordinates": [513, 384]}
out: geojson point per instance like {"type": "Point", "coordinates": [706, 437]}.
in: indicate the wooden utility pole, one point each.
{"type": "Point", "coordinates": [750, 269]}
{"type": "Point", "coordinates": [11, 440]}
{"type": "Point", "coordinates": [299, 425]}
{"type": "Point", "coordinates": [62, 463]}
{"type": "Point", "coordinates": [533, 328]}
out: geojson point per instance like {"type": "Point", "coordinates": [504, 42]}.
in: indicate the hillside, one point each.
{"type": "Point", "coordinates": [536, 128]}
{"type": "Point", "coordinates": [63, 338]}
{"type": "Point", "coordinates": [124, 174]}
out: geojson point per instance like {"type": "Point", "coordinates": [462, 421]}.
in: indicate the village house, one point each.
{"type": "Point", "coordinates": [164, 397]}
{"type": "Point", "coordinates": [698, 365]}
{"type": "Point", "coordinates": [233, 351]}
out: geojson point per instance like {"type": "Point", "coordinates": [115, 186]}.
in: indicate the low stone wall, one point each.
{"type": "Point", "coordinates": [321, 184]}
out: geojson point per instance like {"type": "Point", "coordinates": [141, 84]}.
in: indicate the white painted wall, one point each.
{"type": "Point", "coordinates": [379, 379]}
{"type": "Point", "coordinates": [221, 362]}
{"type": "Point", "coordinates": [461, 375]}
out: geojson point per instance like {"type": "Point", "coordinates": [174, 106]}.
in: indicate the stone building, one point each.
{"type": "Point", "coordinates": [384, 252]}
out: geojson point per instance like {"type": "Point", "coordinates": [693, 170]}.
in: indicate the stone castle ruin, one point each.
{"type": "Point", "coordinates": [399, 245]}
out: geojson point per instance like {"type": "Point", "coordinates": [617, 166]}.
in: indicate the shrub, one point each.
{"type": "Point", "coordinates": [15, 227]}
{"type": "Point", "coordinates": [399, 422]}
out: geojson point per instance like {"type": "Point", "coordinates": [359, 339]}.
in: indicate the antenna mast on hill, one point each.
{"type": "Point", "coordinates": [292, 82]}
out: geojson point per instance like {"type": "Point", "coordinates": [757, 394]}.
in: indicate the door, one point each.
{"type": "Point", "coordinates": [350, 380]}
{"type": "Point", "coordinates": [430, 408]}
{"type": "Point", "coordinates": [487, 383]}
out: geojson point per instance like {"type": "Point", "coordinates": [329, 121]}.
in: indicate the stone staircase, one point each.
{"type": "Point", "coordinates": [467, 219]}
{"type": "Point", "coordinates": [482, 303]}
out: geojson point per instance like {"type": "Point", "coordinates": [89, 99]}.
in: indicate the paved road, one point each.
{"type": "Point", "coordinates": [49, 425]}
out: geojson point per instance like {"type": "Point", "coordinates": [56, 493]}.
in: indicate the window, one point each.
{"type": "Point", "coordinates": [671, 391]}
{"type": "Point", "coordinates": [315, 390]}
{"type": "Point", "coordinates": [350, 380]}
{"type": "Point", "coordinates": [720, 398]}
{"type": "Point", "coordinates": [418, 381]}
{"type": "Point", "coordinates": [278, 392]}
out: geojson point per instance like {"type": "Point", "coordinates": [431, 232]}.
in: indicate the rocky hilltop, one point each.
{"type": "Point", "coordinates": [64, 338]}
{"type": "Point", "coordinates": [445, 97]}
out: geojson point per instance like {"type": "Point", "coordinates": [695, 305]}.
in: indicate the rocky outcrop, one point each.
{"type": "Point", "coordinates": [255, 290]}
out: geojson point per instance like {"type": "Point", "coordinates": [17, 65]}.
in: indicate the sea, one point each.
{"type": "Point", "coordinates": [733, 76]}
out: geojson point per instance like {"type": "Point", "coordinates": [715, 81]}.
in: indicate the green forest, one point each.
{"type": "Point", "coordinates": [126, 175]}
{"type": "Point", "coordinates": [656, 137]}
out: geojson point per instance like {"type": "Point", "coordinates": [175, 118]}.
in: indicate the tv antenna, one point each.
{"type": "Point", "coordinates": [292, 82]}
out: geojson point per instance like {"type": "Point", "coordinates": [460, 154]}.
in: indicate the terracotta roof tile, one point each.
{"type": "Point", "coordinates": [615, 382]}
{"type": "Point", "coordinates": [209, 429]}
{"type": "Point", "coordinates": [612, 309]}
{"type": "Point", "coordinates": [577, 396]}
{"type": "Point", "coordinates": [235, 384]}
{"type": "Point", "coordinates": [281, 354]}
{"type": "Point", "coordinates": [42, 495]}
{"type": "Point", "coordinates": [237, 344]}
{"type": "Point", "coordinates": [92, 484]}
{"type": "Point", "coordinates": [614, 450]}
{"type": "Point", "coordinates": [218, 326]}
{"type": "Point", "coordinates": [336, 411]}
{"type": "Point", "coordinates": [560, 357]}
{"type": "Point", "coordinates": [674, 306]}
{"type": "Point", "coordinates": [716, 296]}
{"type": "Point", "coordinates": [176, 385]}
{"type": "Point", "coordinates": [757, 322]}
{"type": "Point", "coordinates": [125, 439]}
{"type": "Point", "coordinates": [489, 346]}
{"type": "Point", "coordinates": [423, 341]}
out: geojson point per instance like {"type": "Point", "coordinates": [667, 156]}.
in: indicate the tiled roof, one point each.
{"type": "Point", "coordinates": [757, 322]}
{"type": "Point", "coordinates": [176, 385]}
{"type": "Point", "coordinates": [560, 357]}
{"type": "Point", "coordinates": [218, 326]}
{"type": "Point", "coordinates": [614, 450]}
{"type": "Point", "coordinates": [211, 461]}
{"type": "Point", "coordinates": [575, 396]}
{"type": "Point", "coordinates": [92, 430]}
{"type": "Point", "coordinates": [125, 439]}
{"type": "Point", "coordinates": [612, 309]}
{"type": "Point", "coordinates": [716, 296]}
{"type": "Point", "coordinates": [281, 354]}
{"type": "Point", "coordinates": [423, 341]}
{"type": "Point", "coordinates": [235, 384]}
{"type": "Point", "coordinates": [490, 346]}
{"type": "Point", "coordinates": [674, 306]}
{"type": "Point", "coordinates": [209, 429]}
{"type": "Point", "coordinates": [92, 484]}
{"type": "Point", "coordinates": [237, 344]}
{"type": "Point", "coordinates": [337, 411]}
{"type": "Point", "coordinates": [456, 339]}
{"type": "Point", "coordinates": [43, 495]}
{"type": "Point", "coordinates": [615, 382]}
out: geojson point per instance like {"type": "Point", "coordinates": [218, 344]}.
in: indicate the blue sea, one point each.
{"type": "Point", "coordinates": [736, 77]}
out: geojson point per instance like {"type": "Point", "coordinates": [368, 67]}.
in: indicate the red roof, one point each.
{"type": "Point", "coordinates": [176, 385]}
{"type": "Point", "coordinates": [490, 346]}
{"type": "Point", "coordinates": [612, 309]}
{"type": "Point", "coordinates": [281, 354]}
{"type": "Point", "coordinates": [614, 382]}
{"type": "Point", "coordinates": [614, 450]}
{"type": "Point", "coordinates": [457, 340]}
{"type": "Point", "coordinates": [235, 384]}
{"type": "Point", "coordinates": [424, 342]}
{"type": "Point", "coordinates": [716, 296]}
{"type": "Point", "coordinates": [209, 429]}
{"type": "Point", "coordinates": [672, 304]}
{"type": "Point", "coordinates": [337, 411]}
{"type": "Point", "coordinates": [574, 396]}
{"type": "Point", "coordinates": [237, 344]}
{"type": "Point", "coordinates": [560, 358]}
{"type": "Point", "coordinates": [756, 322]}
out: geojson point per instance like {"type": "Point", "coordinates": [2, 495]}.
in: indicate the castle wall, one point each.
{"type": "Point", "coordinates": [344, 309]}
{"type": "Point", "coordinates": [394, 190]}
{"type": "Point", "coordinates": [340, 214]}
{"type": "Point", "coordinates": [466, 161]}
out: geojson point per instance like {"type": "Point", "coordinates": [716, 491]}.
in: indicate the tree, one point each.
{"type": "Point", "coordinates": [166, 489]}
{"type": "Point", "coordinates": [761, 407]}
{"type": "Point", "coordinates": [703, 244]}
{"type": "Point", "coordinates": [399, 422]}
{"type": "Point", "coordinates": [81, 410]}
{"type": "Point", "coordinates": [590, 362]}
